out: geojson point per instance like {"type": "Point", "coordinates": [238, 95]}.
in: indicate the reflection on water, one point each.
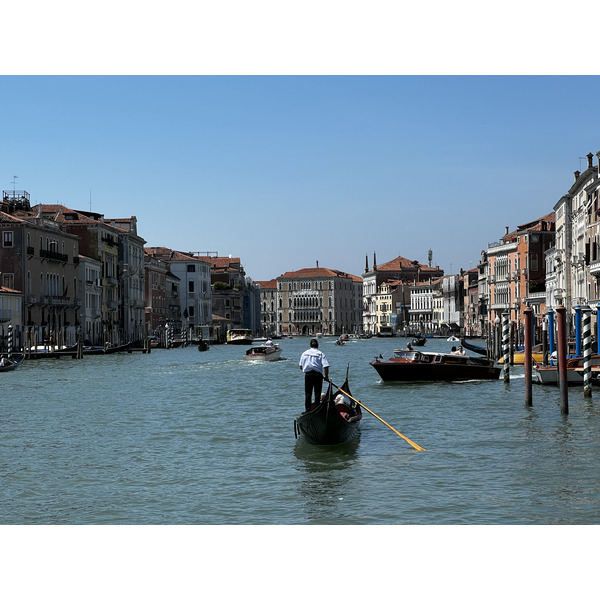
{"type": "Point", "coordinates": [325, 474]}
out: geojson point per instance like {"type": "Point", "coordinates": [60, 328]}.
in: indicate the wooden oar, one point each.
{"type": "Point", "coordinates": [415, 446]}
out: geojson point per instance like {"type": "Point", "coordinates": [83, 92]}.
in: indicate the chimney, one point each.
{"type": "Point", "coordinates": [317, 264]}
{"type": "Point", "coordinates": [506, 230]}
{"type": "Point", "coordinates": [366, 264]}
{"type": "Point", "coordinates": [577, 174]}
{"type": "Point", "coordinates": [374, 262]}
{"type": "Point", "coordinates": [590, 158]}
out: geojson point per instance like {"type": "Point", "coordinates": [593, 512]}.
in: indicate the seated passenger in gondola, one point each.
{"type": "Point", "coordinates": [342, 404]}
{"type": "Point", "coordinates": [5, 362]}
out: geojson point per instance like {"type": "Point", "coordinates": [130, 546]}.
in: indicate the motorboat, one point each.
{"type": "Point", "coordinates": [239, 336]}
{"type": "Point", "coordinates": [264, 352]}
{"type": "Point", "coordinates": [548, 375]}
{"type": "Point", "coordinates": [413, 365]}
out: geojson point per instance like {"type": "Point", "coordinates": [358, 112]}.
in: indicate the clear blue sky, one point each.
{"type": "Point", "coordinates": [284, 171]}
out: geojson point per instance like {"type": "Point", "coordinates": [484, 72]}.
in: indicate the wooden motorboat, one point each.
{"type": "Point", "coordinates": [473, 348]}
{"type": "Point", "coordinates": [334, 420]}
{"type": "Point", "coordinates": [413, 365]}
{"type": "Point", "coordinates": [548, 375]}
{"type": "Point", "coordinates": [11, 363]}
{"type": "Point", "coordinates": [239, 336]}
{"type": "Point", "coordinates": [263, 352]}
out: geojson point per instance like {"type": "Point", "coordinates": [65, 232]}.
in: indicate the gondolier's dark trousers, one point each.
{"type": "Point", "coordinates": [313, 380]}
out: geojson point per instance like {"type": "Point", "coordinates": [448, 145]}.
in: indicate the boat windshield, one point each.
{"type": "Point", "coordinates": [407, 354]}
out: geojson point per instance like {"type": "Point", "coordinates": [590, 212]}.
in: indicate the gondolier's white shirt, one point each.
{"type": "Point", "coordinates": [313, 360]}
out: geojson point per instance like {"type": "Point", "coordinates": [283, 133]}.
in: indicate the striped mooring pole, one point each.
{"type": "Point", "coordinates": [587, 353]}
{"type": "Point", "coordinates": [528, 316]}
{"type": "Point", "coordinates": [10, 341]}
{"type": "Point", "coordinates": [506, 345]}
{"type": "Point", "coordinates": [578, 331]}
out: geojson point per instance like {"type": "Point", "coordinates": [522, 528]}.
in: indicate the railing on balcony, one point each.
{"type": "Point", "coordinates": [595, 268]}
{"type": "Point", "coordinates": [50, 254]}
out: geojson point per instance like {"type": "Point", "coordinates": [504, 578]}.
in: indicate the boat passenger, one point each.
{"type": "Point", "coordinates": [5, 362]}
{"type": "Point", "coordinates": [408, 346]}
{"type": "Point", "coordinates": [461, 351]}
{"type": "Point", "coordinates": [269, 342]}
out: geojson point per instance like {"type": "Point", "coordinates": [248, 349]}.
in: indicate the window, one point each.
{"type": "Point", "coordinates": [7, 239]}
{"type": "Point", "coordinates": [191, 268]}
{"type": "Point", "coordinates": [191, 285]}
{"type": "Point", "coordinates": [8, 280]}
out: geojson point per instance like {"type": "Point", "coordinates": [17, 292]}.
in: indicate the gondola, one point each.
{"type": "Point", "coordinates": [203, 346]}
{"type": "Point", "coordinates": [15, 362]}
{"type": "Point", "coordinates": [419, 341]}
{"type": "Point", "coordinates": [329, 423]}
{"type": "Point", "coordinates": [473, 348]}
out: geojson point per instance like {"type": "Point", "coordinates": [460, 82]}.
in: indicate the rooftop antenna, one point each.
{"type": "Point", "coordinates": [90, 199]}
{"type": "Point", "coordinates": [15, 177]}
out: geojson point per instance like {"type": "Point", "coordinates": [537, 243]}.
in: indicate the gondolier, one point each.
{"type": "Point", "coordinates": [316, 368]}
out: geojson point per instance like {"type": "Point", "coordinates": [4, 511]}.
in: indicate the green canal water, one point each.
{"type": "Point", "coordinates": [181, 437]}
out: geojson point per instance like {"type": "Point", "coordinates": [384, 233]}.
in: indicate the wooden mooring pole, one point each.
{"type": "Point", "coordinates": [528, 314]}
{"type": "Point", "coordinates": [562, 359]}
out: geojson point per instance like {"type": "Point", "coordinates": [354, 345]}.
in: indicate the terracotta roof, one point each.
{"type": "Point", "coordinates": [400, 263]}
{"type": "Point", "coordinates": [223, 262]}
{"type": "Point", "coordinates": [313, 272]}
{"type": "Point", "coordinates": [267, 285]}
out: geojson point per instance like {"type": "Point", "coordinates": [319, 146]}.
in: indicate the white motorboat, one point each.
{"type": "Point", "coordinates": [263, 352]}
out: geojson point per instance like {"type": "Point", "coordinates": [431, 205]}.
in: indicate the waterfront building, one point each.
{"type": "Point", "coordinates": [400, 269]}
{"type": "Point", "coordinates": [90, 314]}
{"type": "Point", "coordinates": [421, 313]}
{"type": "Point", "coordinates": [516, 268]}
{"type": "Point", "coordinates": [235, 297]}
{"type": "Point", "coordinates": [131, 278]}
{"type": "Point", "coordinates": [41, 261]}
{"type": "Point", "coordinates": [156, 316]}
{"type": "Point", "coordinates": [450, 288]}
{"type": "Point", "coordinates": [268, 307]}
{"type": "Point", "coordinates": [100, 241]}
{"type": "Point", "coordinates": [471, 318]}
{"type": "Point", "coordinates": [318, 300]}
{"type": "Point", "coordinates": [193, 270]}
{"type": "Point", "coordinates": [11, 316]}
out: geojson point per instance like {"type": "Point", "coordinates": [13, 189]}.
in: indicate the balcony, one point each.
{"type": "Point", "coordinates": [595, 268]}
{"type": "Point", "coordinates": [5, 315]}
{"type": "Point", "coordinates": [51, 255]}
{"type": "Point", "coordinates": [59, 300]}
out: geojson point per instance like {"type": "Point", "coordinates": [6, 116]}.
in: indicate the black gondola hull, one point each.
{"type": "Point", "coordinates": [324, 425]}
